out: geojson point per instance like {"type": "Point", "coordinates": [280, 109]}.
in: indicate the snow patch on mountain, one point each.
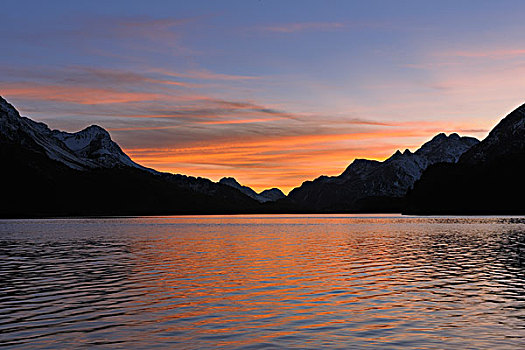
{"type": "Point", "coordinates": [94, 143]}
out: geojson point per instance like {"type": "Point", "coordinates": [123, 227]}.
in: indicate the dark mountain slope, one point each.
{"type": "Point", "coordinates": [269, 195]}
{"type": "Point", "coordinates": [488, 179]}
{"type": "Point", "coordinates": [36, 186]}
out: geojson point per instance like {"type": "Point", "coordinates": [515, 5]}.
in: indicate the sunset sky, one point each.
{"type": "Point", "coordinates": [272, 93]}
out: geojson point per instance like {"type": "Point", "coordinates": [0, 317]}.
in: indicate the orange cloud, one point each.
{"type": "Point", "coordinates": [73, 94]}
{"type": "Point", "coordinates": [286, 160]}
{"type": "Point", "coordinates": [183, 131]}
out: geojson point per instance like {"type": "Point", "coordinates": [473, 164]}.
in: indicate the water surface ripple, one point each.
{"type": "Point", "coordinates": [333, 281]}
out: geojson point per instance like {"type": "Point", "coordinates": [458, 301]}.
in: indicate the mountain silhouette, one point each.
{"type": "Point", "coordinates": [269, 195]}
{"type": "Point", "coordinates": [369, 185]}
{"type": "Point", "coordinates": [487, 179]}
{"type": "Point", "coordinates": [53, 173]}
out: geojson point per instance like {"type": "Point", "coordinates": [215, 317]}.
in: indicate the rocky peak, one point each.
{"type": "Point", "coordinates": [89, 148]}
{"type": "Point", "coordinates": [230, 181]}
{"type": "Point", "coordinates": [86, 137]}
{"type": "Point", "coordinates": [94, 131]}
{"type": "Point", "coordinates": [443, 148]}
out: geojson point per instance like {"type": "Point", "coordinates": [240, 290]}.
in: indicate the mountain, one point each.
{"type": "Point", "coordinates": [269, 195]}
{"type": "Point", "coordinates": [488, 178]}
{"type": "Point", "coordinates": [369, 185]}
{"type": "Point", "coordinates": [53, 173]}
{"type": "Point", "coordinates": [272, 195]}
{"type": "Point", "coordinates": [90, 148]}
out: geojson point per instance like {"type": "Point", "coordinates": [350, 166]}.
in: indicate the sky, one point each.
{"type": "Point", "coordinates": [273, 93]}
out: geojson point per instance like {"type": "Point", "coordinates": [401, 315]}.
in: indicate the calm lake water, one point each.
{"type": "Point", "coordinates": [334, 281]}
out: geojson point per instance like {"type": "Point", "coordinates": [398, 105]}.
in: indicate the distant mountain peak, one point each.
{"type": "Point", "coordinates": [229, 181]}
{"type": "Point", "coordinates": [440, 138]}
{"type": "Point", "coordinates": [94, 130]}
{"type": "Point", "coordinates": [272, 194]}
{"type": "Point", "coordinates": [269, 195]}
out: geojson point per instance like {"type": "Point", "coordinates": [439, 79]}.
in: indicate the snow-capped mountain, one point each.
{"type": "Point", "coordinates": [269, 195]}
{"type": "Point", "coordinates": [373, 179]}
{"type": "Point", "coordinates": [90, 148]}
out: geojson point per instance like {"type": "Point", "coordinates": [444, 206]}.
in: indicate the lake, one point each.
{"type": "Point", "coordinates": [276, 281]}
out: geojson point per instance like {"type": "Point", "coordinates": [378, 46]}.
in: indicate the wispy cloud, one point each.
{"type": "Point", "coordinates": [501, 53]}
{"type": "Point", "coordinates": [304, 26]}
{"type": "Point", "coordinates": [110, 36]}
{"type": "Point", "coordinates": [184, 130]}
{"type": "Point", "coordinates": [203, 74]}
{"type": "Point", "coordinates": [287, 159]}
{"type": "Point", "coordinates": [169, 122]}
{"type": "Point", "coordinates": [239, 121]}
{"type": "Point", "coordinates": [72, 94]}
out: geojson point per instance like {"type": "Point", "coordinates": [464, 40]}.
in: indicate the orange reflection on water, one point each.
{"type": "Point", "coordinates": [266, 281]}
{"type": "Point", "coordinates": [267, 277]}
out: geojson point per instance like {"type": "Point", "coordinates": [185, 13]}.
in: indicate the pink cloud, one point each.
{"type": "Point", "coordinates": [503, 53]}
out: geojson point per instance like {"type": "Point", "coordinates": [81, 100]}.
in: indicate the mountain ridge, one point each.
{"type": "Point", "coordinates": [55, 173]}
{"type": "Point", "coordinates": [52, 172]}
{"type": "Point", "coordinates": [364, 181]}
{"type": "Point", "coordinates": [268, 195]}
